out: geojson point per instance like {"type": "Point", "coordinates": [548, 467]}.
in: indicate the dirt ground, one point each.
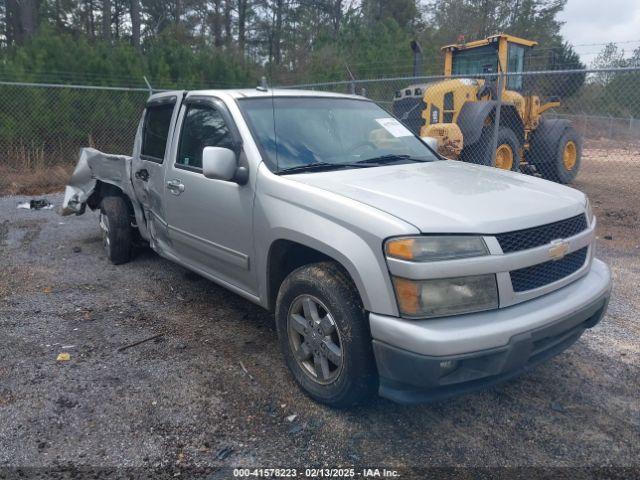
{"type": "Point", "coordinates": [212, 391]}
{"type": "Point", "coordinates": [610, 176]}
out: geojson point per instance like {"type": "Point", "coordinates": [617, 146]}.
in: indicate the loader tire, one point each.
{"type": "Point", "coordinates": [566, 153]}
{"type": "Point", "coordinates": [117, 233]}
{"type": "Point", "coordinates": [507, 155]}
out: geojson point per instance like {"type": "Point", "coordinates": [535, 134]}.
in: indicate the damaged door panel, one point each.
{"type": "Point", "coordinates": [95, 168]}
{"type": "Point", "coordinates": [150, 152]}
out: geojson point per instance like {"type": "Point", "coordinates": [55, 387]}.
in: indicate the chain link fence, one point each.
{"type": "Point", "coordinates": [43, 127]}
{"type": "Point", "coordinates": [580, 127]}
{"type": "Point", "coordinates": [576, 127]}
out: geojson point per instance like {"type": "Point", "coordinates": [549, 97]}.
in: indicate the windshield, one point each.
{"type": "Point", "coordinates": [475, 61]}
{"type": "Point", "coordinates": [294, 132]}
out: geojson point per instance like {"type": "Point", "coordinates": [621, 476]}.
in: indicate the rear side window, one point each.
{"type": "Point", "coordinates": [156, 131]}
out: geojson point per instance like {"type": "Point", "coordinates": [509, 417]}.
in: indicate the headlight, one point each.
{"type": "Point", "coordinates": [589, 212]}
{"type": "Point", "coordinates": [431, 249]}
{"type": "Point", "coordinates": [447, 296]}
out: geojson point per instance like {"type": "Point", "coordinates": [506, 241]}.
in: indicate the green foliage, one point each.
{"type": "Point", "coordinates": [624, 92]}
{"type": "Point", "coordinates": [56, 122]}
{"type": "Point", "coordinates": [475, 19]}
{"type": "Point", "coordinates": [61, 58]}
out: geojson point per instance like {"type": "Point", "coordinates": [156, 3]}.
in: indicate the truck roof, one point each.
{"type": "Point", "coordinates": [254, 93]}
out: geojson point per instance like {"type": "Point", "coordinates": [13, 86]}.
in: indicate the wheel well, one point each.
{"type": "Point", "coordinates": [474, 116]}
{"type": "Point", "coordinates": [103, 190]}
{"type": "Point", "coordinates": [284, 257]}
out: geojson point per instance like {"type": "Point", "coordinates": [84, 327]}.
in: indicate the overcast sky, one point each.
{"type": "Point", "coordinates": [601, 21]}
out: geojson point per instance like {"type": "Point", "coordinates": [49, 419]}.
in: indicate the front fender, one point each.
{"type": "Point", "coordinates": [472, 116]}
{"type": "Point", "coordinates": [347, 231]}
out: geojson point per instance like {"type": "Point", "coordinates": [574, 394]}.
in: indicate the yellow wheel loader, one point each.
{"type": "Point", "coordinates": [460, 112]}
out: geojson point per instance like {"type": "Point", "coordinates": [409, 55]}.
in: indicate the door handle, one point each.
{"type": "Point", "coordinates": [142, 174]}
{"type": "Point", "coordinates": [175, 186]}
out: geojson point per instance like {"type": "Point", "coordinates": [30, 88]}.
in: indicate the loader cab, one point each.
{"type": "Point", "coordinates": [499, 53]}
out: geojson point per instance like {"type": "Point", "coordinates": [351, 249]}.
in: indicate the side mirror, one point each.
{"type": "Point", "coordinates": [430, 142]}
{"type": "Point", "coordinates": [219, 163]}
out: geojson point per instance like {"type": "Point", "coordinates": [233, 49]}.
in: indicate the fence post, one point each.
{"type": "Point", "coordinates": [496, 119]}
{"type": "Point", "coordinates": [148, 85]}
{"type": "Point", "coordinates": [610, 127]}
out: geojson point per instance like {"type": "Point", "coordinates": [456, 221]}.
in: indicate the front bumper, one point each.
{"type": "Point", "coordinates": [427, 360]}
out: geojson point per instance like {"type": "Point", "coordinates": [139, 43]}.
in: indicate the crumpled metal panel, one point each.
{"type": "Point", "coordinates": [94, 165]}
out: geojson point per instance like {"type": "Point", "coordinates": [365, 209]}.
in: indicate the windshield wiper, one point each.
{"type": "Point", "coordinates": [382, 159]}
{"type": "Point", "coordinates": [369, 162]}
{"type": "Point", "coordinates": [319, 167]}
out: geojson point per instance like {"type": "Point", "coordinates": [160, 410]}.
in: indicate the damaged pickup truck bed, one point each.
{"type": "Point", "coordinates": [388, 268]}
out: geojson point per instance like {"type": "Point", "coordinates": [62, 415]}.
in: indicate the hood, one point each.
{"type": "Point", "coordinates": [452, 196]}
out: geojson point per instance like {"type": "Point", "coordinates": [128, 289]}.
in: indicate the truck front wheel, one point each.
{"type": "Point", "coordinates": [117, 233]}
{"type": "Point", "coordinates": [324, 335]}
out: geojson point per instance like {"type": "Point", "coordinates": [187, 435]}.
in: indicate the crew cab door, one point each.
{"type": "Point", "coordinates": [209, 221]}
{"type": "Point", "coordinates": [151, 148]}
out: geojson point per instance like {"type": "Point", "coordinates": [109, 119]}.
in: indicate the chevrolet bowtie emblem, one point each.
{"type": "Point", "coordinates": [558, 249]}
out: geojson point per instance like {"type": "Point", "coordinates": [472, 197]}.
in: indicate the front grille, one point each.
{"type": "Point", "coordinates": [542, 274]}
{"type": "Point", "coordinates": [537, 236]}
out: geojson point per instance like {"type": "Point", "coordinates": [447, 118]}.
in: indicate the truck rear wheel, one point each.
{"type": "Point", "coordinates": [117, 233]}
{"type": "Point", "coordinates": [324, 335]}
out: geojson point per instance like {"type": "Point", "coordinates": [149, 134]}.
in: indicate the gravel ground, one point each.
{"type": "Point", "coordinates": [213, 391]}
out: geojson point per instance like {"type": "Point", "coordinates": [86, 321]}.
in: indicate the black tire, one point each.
{"type": "Point", "coordinates": [481, 152]}
{"type": "Point", "coordinates": [117, 233]}
{"type": "Point", "coordinates": [356, 380]}
{"type": "Point", "coordinates": [554, 168]}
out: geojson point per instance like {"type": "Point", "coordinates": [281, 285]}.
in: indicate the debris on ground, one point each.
{"type": "Point", "coordinates": [291, 418]}
{"type": "Point", "coordinates": [224, 453]}
{"type": "Point", "coordinates": [36, 204]}
{"type": "Point", "coordinates": [63, 357]}
{"type": "Point", "coordinates": [134, 344]}
{"type": "Point", "coordinates": [77, 249]}
{"type": "Point", "coordinates": [244, 369]}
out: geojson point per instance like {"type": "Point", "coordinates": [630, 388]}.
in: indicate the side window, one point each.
{"type": "Point", "coordinates": [156, 129]}
{"type": "Point", "coordinates": [203, 126]}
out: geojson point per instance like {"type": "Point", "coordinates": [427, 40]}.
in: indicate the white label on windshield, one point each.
{"type": "Point", "coordinates": [394, 127]}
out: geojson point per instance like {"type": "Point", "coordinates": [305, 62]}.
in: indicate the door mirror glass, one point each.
{"type": "Point", "coordinates": [219, 163]}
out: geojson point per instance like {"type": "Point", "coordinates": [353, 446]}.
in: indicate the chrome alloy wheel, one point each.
{"type": "Point", "coordinates": [315, 339]}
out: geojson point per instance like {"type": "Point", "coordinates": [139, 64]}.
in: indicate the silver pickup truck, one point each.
{"type": "Point", "coordinates": [389, 268]}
